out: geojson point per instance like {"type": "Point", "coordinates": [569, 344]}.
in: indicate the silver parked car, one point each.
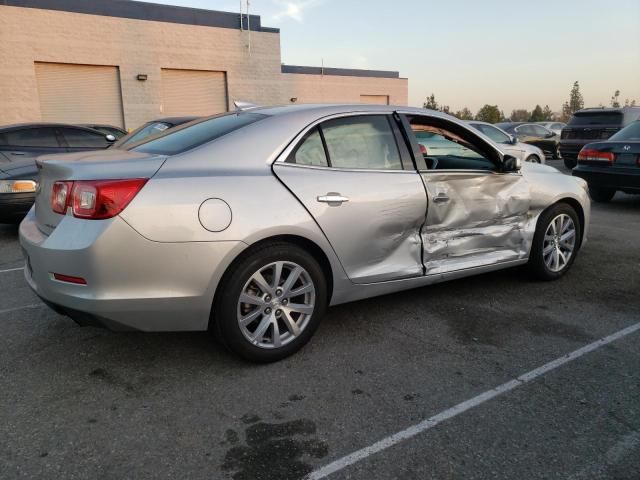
{"type": "Point", "coordinates": [555, 127]}
{"type": "Point", "coordinates": [509, 144]}
{"type": "Point", "coordinates": [251, 223]}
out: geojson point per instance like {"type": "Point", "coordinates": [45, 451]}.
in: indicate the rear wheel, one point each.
{"type": "Point", "coordinates": [570, 163]}
{"type": "Point", "coordinates": [601, 195]}
{"type": "Point", "coordinates": [533, 159]}
{"type": "Point", "coordinates": [555, 243]}
{"type": "Point", "coordinates": [557, 155]}
{"type": "Point", "coordinates": [270, 303]}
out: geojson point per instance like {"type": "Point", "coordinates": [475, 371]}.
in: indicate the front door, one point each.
{"type": "Point", "coordinates": [476, 215]}
{"type": "Point", "coordinates": [355, 177]}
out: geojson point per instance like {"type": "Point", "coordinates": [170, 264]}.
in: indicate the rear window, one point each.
{"type": "Point", "coordinates": [596, 118]}
{"type": "Point", "coordinates": [190, 136]}
{"type": "Point", "coordinates": [628, 133]}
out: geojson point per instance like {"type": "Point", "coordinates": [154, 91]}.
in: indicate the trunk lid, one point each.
{"type": "Point", "coordinates": [95, 165]}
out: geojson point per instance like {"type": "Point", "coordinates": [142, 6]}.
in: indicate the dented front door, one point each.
{"type": "Point", "coordinates": [474, 218]}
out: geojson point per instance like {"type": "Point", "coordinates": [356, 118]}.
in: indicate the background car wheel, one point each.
{"type": "Point", "coordinates": [555, 243]}
{"type": "Point", "coordinates": [533, 159]}
{"type": "Point", "coordinates": [557, 155]}
{"type": "Point", "coordinates": [270, 302]}
{"type": "Point", "coordinates": [570, 163]}
{"type": "Point", "coordinates": [601, 195]}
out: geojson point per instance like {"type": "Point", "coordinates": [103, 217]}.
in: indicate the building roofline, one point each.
{"type": "Point", "coordinates": [345, 72]}
{"type": "Point", "coordinates": [147, 11]}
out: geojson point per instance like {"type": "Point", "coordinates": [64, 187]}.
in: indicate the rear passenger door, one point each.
{"type": "Point", "coordinates": [356, 178]}
{"type": "Point", "coordinates": [29, 142]}
{"type": "Point", "coordinates": [80, 139]}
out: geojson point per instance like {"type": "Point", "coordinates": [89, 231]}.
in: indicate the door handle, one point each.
{"type": "Point", "coordinates": [441, 198]}
{"type": "Point", "coordinates": [17, 153]}
{"type": "Point", "coordinates": [333, 199]}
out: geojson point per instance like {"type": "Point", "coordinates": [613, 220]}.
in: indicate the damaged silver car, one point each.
{"type": "Point", "coordinates": [250, 224]}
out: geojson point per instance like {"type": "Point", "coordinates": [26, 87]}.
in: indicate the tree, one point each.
{"type": "Point", "coordinates": [628, 103]}
{"type": "Point", "coordinates": [464, 114]}
{"type": "Point", "coordinates": [490, 114]}
{"type": "Point", "coordinates": [519, 115]}
{"type": "Point", "coordinates": [615, 100]}
{"type": "Point", "coordinates": [537, 115]}
{"type": "Point", "coordinates": [547, 113]}
{"type": "Point", "coordinates": [431, 103]}
{"type": "Point", "coordinates": [575, 103]}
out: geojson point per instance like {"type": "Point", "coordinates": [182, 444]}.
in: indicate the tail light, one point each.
{"type": "Point", "coordinates": [95, 199]}
{"type": "Point", "coordinates": [591, 155]}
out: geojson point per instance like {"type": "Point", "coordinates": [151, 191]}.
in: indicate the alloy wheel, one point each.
{"type": "Point", "coordinates": [559, 242]}
{"type": "Point", "coordinates": [276, 304]}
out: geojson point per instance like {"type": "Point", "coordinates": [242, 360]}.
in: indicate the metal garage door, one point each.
{"type": "Point", "coordinates": [193, 92]}
{"type": "Point", "coordinates": [376, 99]}
{"type": "Point", "coordinates": [79, 93]}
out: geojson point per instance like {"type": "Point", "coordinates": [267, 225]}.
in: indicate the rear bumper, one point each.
{"type": "Point", "coordinates": [14, 206]}
{"type": "Point", "coordinates": [132, 283]}
{"type": "Point", "coordinates": [625, 179]}
{"type": "Point", "coordinates": [571, 149]}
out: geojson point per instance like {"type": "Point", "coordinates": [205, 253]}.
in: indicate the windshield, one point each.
{"type": "Point", "coordinates": [492, 132]}
{"type": "Point", "coordinates": [596, 118]}
{"type": "Point", "coordinates": [629, 133]}
{"type": "Point", "coordinates": [192, 135]}
{"type": "Point", "coordinates": [148, 130]}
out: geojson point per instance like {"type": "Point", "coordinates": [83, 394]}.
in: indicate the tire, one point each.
{"type": "Point", "coordinates": [570, 163]}
{"type": "Point", "coordinates": [557, 155]}
{"type": "Point", "coordinates": [542, 259]}
{"type": "Point", "coordinates": [533, 159]}
{"type": "Point", "coordinates": [258, 341]}
{"type": "Point", "coordinates": [601, 195]}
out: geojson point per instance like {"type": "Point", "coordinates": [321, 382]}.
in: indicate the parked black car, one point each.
{"type": "Point", "coordinates": [612, 165]}
{"type": "Point", "coordinates": [19, 147]}
{"type": "Point", "coordinates": [534, 134]}
{"type": "Point", "coordinates": [106, 129]}
{"type": "Point", "coordinates": [593, 124]}
{"type": "Point", "coordinates": [151, 129]}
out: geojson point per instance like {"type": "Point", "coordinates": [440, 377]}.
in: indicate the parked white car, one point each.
{"type": "Point", "coordinates": [508, 143]}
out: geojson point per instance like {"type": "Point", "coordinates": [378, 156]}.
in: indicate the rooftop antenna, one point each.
{"type": "Point", "coordinates": [241, 19]}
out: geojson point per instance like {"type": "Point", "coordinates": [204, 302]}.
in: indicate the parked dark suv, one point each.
{"type": "Point", "coordinates": [591, 125]}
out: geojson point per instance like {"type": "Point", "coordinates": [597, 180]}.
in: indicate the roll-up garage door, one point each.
{"type": "Point", "coordinates": [79, 93]}
{"type": "Point", "coordinates": [193, 92]}
{"type": "Point", "coordinates": [375, 99]}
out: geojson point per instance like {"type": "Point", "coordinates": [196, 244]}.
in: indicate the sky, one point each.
{"type": "Point", "coordinates": [468, 53]}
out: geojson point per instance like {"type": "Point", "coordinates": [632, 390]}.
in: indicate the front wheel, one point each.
{"type": "Point", "coordinates": [270, 303]}
{"type": "Point", "coordinates": [601, 195]}
{"type": "Point", "coordinates": [555, 242]}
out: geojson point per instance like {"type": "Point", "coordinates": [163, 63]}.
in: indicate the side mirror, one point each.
{"type": "Point", "coordinates": [550, 135]}
{"type": "Point", "coordinates": [511, 164]}
{"type": "Point", "coordinates": [514, 140]}
{"type": "Point", "coordinates": [110, 138]}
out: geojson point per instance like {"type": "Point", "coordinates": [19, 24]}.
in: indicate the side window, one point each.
{"type": "Point", "coordinates": [444, 149]}
{"type": "Point", "coordinates": [310, 151]}
{"type": "Point", "coordinates": [32, 137]}
{"type": "Point", "coordinates": [77, 138]}
{"type": "Point", "coordinates": [361, 142]}
{"type": "Point", "coordinates": [524, 130]}
{"type": "Point", "coordinates": [540, 131]}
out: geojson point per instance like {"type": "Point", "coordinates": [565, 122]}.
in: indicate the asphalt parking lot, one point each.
{"type": "Point", "coordinates": [82, 402]}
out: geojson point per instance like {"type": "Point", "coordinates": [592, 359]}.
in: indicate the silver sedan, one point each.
{"type": "Point", "coordinates": [250, 224]}
{"type": "Point", "coordinates": [509, 144]}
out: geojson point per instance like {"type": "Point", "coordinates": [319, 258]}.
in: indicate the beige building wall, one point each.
{"type": "Point", "coordinates": [29, 35]}
{"type": "Point", "coordinates": [344, 89]}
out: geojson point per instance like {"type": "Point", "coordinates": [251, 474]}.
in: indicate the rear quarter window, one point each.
{"type": "Point", "coordinates": [182, 139]}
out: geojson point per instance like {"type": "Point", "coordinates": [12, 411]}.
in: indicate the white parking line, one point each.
{"type": "Point", "coordinates": [15, 309]}
{"type": "Point", "coordinates": [431, 422]}
{"type": "Point", "coordinates": [12, 269]}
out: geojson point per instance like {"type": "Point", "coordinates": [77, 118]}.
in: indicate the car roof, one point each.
{"type": "Point", "coordinates": [40, 125]}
